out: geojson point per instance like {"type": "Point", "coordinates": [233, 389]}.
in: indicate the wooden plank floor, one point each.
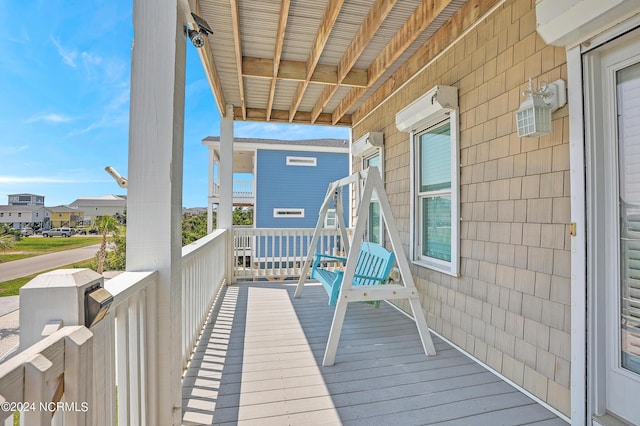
{"type": "Point", "coordinates": [259, 361]}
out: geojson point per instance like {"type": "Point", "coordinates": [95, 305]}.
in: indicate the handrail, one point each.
{"type": "Point", "coordinates": [123, 286]}
{"type": "Point", "coordinates": [191, 249]}
{"type": "Point", "coordinates": [203, 274]}
{"type": "Point", "coordinates": [35, 380]}
{"type": "Point", "coordinates": [127, 337]}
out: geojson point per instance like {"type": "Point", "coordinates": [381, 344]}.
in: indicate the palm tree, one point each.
{"type": "Point", "coordinates": [106, 225]}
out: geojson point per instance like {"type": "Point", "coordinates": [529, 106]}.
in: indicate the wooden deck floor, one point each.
{"type": "Point", "coordinates": [259, 361]}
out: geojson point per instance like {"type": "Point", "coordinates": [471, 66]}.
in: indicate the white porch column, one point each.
{"type": "Point", "coordinates": [211, 188]}
{"type": "Point", "coordinates": [154, 205]}
{"type": "Point", "coordinates": [225, 209]}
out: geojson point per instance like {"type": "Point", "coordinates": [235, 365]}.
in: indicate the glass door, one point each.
{"type": "Point", "coordinates": [612, 93]}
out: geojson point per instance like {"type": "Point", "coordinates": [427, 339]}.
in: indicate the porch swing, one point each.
{"type": "Point", "coordinates": [367, 265]}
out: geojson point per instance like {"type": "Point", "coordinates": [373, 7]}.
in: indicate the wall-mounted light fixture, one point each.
{"type": "Point", "coordinates": [534, 116]}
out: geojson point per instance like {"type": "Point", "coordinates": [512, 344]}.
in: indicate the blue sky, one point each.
{"type": "Point", "coordinates": [64, 102]}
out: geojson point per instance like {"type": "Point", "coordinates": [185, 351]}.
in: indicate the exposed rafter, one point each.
{"type": "Point", "coordinates": [415, 25]}
{"type": "Point", "coordinates": [297, 71]}
{"type": "Point", "coordinates": [328, 20]}
{"type": "Point", "coordinates": [235, 17]}
{"type": "Point", "coordinates": [282, 27]}
{"type": "Point", "coordinates": [456, 26]}
{"type": "Point", "coordinates": [372, 22]}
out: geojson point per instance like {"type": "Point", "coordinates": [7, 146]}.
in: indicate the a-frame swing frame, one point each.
{"type": "Point", "coordinates": [349, 293]}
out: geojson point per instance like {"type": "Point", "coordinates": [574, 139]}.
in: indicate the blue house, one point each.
{"type": "Point", "coordinates": [284, 182]}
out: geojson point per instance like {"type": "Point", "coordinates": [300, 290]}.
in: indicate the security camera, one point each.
{"type": "Point", "coordinates": [197, 38]}
{"type": "Point", "coordinates": [122, 181]}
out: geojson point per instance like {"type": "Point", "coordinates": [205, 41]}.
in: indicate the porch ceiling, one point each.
{"type": "Point", "coordinates": [328, 56]}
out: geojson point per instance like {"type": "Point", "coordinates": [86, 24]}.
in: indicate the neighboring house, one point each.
{"type": "Point", "coordinates": [284, 181]}
{"type": "Point", "coordinates": [26, 200]}
{"type": "Point", "coordinates": [65, 216]}
{"type": "Point", "coordinates": [18, 217]}
{"type": "Point", "coordinates": [95, 207]}
{"type": "Point", "coordinates": [194, 211]}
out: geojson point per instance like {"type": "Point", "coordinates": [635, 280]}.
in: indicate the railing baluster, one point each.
{"type": "Point", "coordinates": [122, 336]}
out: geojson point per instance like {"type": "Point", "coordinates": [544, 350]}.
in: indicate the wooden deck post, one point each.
{"type": "Point", "coordinates": [154, 205]}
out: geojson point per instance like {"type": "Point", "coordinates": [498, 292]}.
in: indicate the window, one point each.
{"type": "Point", "coordinates": [374, 227]}
{"type": "Point", "coordinates": [302, 161]}
{"type": "Point", "coordinates": [331, 220]}
{"type": "Point", "coordinates": [435, 152]}
{"type": "Point", "coordinates": [288, 212]}
{"type": "Point", "coordinates": [19, 214]}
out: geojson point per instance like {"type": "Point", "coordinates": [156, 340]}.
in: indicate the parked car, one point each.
{"type": "Point", "coordinates": [93, 231]}
{"type": "Point", "coordinates": [58, 232]}
{"type": "Point", "coordinates": [27, 232]}
{"type": "Point", "coordinates": [80, 231]}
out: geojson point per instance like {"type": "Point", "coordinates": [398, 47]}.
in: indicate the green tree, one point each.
{"type": "Point", "coordinates": [193, 228]}
{"type": "Point", "coordinates": [106, 225]}
{"type": "Point", "coordinates": [243, 216]}
{"type": "Point", "coordinates": [7, 237]}
{"type": "Point", "coordinates": [116, 259]}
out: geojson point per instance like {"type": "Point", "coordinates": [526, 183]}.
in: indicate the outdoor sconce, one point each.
{"type": "Point", "coordinates": [534, 116]}
{"type": "Point", "coordinates": [97, 301]}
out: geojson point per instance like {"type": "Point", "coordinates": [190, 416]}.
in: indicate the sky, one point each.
{"type": "Point", "coordinates": [64, 103]}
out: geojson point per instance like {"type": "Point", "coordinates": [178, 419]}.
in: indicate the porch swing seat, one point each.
{"type": "Point", "coordinates": [372, 268]}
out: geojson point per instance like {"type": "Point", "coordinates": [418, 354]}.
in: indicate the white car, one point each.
{"type": "Point", "coordinates": [58, 232]}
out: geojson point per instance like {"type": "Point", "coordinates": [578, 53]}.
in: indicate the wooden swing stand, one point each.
{"type": "Point", "coordinates": [357, 282]}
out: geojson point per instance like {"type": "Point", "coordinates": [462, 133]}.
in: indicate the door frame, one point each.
{"type": "Point", "coordinates": [588, 357]}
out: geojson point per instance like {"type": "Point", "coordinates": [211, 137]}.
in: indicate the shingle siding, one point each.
{"type": "Point", "coordinates": [509, 306]}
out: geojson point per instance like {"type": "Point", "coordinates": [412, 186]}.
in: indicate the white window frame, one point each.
{"type": "Point", "coordinates": [302, 161]}
{"type": "Point", "coordinates": [288, 213]}
{"type": "Point", "coordinates": [452, 267]}
{"type": "Point", "coordinates": [331, 217]}
{"type": "Point", "coordinates": [376, 152]}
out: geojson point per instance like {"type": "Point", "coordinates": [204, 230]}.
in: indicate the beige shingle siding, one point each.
{"type": "Point", "coordinates": [511, 305]}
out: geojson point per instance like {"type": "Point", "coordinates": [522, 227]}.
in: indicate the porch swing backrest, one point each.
{"type": "Point", "coordinates": [373, 267]}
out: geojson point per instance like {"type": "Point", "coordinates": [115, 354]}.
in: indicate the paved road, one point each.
{"type": "Point", "coordinates": [33, 265]}
{"type": "Point", "coordinates": [9, 314]}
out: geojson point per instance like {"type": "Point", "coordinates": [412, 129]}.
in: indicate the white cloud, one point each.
{"type": "Point", "coordinates": [51, 118]}
{"type": "Point", "coordinates": [69, 56]}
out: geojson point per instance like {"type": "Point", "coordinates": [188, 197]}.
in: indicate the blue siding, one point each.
{"type": "Point", "coordinates": [297, 187]}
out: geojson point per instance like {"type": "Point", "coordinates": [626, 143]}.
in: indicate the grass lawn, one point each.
{"type": "Point", "coordinates": [12, 287]}
{"type": "Point", "coordinates": [34, 246]}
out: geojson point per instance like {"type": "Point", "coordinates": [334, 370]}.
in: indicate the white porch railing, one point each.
{"type": "Point", "coordinates": [241, 189]}
{"type": "Point", "coordinates": [35, 381]}
{"type": "Point", "coordinates": [203, 269]}
{"type": "Point", "coordinates": [277, 252]}
{"type": "Point", "coordinates": [115, 363]}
